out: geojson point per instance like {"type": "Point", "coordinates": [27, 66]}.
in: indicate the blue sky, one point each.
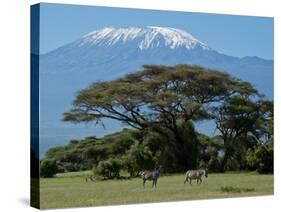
{"type": "Point", "coordinates": [232, 35]}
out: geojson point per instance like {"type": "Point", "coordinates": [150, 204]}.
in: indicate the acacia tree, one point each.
{"type": "Point", "coordinates": [240, 119]}
{"type": "Point", "coordinates": [261, 156]}
{"type": "Point", "coordinates": [264, 126]}
{"type": "Point", "coordinates": [159, 98]}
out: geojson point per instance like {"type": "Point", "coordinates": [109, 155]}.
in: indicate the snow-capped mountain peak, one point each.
{"type": "Point", "coordinates": [145, 37]}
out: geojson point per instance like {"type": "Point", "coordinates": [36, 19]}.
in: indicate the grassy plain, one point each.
{"type": "Point", "coordinates": [71, 189]}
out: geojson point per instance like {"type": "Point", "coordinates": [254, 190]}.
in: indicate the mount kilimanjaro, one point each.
{"type": "Point", "coordinates": [109, 53]}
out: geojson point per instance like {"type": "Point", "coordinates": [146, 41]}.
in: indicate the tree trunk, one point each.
{"type": "Point", "coordinates": [224, 160]}
{"type": "Point", "coordinates": [187, 150]}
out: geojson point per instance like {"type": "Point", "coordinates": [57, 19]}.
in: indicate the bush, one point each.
{"type": "Point", "coordinates": [108, 169]}
{"type": "Point", "coordinates": [138, 158]}
{"type": "Point", "coordinates": [48, 168]}
{"type": "Point", "coordinates": [230, 189]}
{"type": "Point", "coordinates": [214, 164]}
{"type": "Point", "coordinates": [261, 158]}
{"type": "Point", "coordinates": [72, 167]}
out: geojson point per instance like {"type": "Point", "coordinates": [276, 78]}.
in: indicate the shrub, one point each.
{"type": "Point", "coordinates": [108, 169]}
{"type": "Point", "coordinates": [48, 168]}
{"type": "Point", "coordinates": [230, 189]}
{"type": "Point", "coordinates": [215, 164]}
{"type": "Point", "coordinates": [137, 158]}
{"type": "Point", "coordinates": [61, 168]}
{"type": "Point", "coordinates": [71, 167]}
{"type": "Point", "coordinates": [261, 158]}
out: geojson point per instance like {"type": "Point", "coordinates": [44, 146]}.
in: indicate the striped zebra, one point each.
{"type": "Point", "coordinates": [151, 176]}
{"type": "Point", "coordinates": [195, 175]}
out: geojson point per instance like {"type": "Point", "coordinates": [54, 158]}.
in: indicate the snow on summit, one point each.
{"type": "Point", "coordinates": [144, 37]}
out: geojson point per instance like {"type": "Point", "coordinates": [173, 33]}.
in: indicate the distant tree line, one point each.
{"type": "Point", "coordinates": [161, 104]}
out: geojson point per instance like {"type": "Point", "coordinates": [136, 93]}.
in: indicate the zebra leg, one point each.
{"type": "Point", "coordinates": [91, 178]}
{"type": "Point", "coordinates": [200, 181]}
{"type": "Point", "coordinates": [190, 182]}
{"type": "Point", "coordinates": [155, 184]}
{"type": "Point", "coordinates": [143, 183]}
{"type": "Point", "coordinates": [186, 180]}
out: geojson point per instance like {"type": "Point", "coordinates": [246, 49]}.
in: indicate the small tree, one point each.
{"type": "Point", "coordinates": [209, 152]}
{"type": "Point", "coordinates": [235, 119]}
{"type": "Point", "coordinates": [108, 169]}
{"type": "Point", "coordinates": [261, 158]}
{"type": "Point", "coordinates": [48, 168]}
{"type": "Point", "coordinates": [138, 158]}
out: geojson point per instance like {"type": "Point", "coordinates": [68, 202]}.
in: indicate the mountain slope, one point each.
{"type": "Point", "coordinates": [113, 52]}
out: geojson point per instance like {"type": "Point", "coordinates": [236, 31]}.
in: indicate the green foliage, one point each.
{"type": "Point", "coordinates": [138, 158]}
{"type": "Point", "coordinates": [210, 149]}
{"type": "Point", "coordinates": [108, 169]}
{"type": "Point", "coordinates": [156, 88]}
{"type": "Point", "coordinates": [231, 189]}
{"type": "Point", "coordinates": [55, 153]}
{"type": "Point", "coordinates": [160, 104]}
{"type": "Point", "coordinates": [261, 158]}
{"type": "Point", "coordinates": [187, 150]}
{"type": "Point", "coordinates": [241, 120]}
{"type": "Point", "coordinates": [162, 99]}
{"type": "Point", "coordinates": [72, 167]}
{"type": "Point", "coordinates": [48, 168]}
{"type": "Point", "coordinates": [87, 153]}
{"type": "Point", "coordinates": [215, 164]}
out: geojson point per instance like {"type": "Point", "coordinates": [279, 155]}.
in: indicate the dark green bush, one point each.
{"type": "Point", "coordinates": [108, 169]}
{"type": "Point", "coordinates": [72, 167]}
{"type": "Point", "coordinates": [231, 189]}
{"type": "Point", "coordinates": [215, 164]}
{"type": "Point", "coordinates": [48, 168]}
{"type": "Point", "coordinates": [261, 158]}
{"type": "Point", "coordinates": [138, 158]}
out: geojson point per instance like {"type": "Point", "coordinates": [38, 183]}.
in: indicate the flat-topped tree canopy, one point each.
{"type": "Point", "coordinates": [157, 96]}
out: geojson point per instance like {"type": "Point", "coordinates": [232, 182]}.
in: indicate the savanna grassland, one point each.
{"type": "Point", "coordinates": [71, 189]}
{"type": "Point", "coordinates": [160, 106]}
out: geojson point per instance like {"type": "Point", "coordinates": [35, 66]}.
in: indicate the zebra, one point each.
{"type": "Point", "coordinates": [91, 177]}
{"type": "Point", "coordinates": [150, 175]}
{"type": "Point", "coordinates": [195, 174]}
